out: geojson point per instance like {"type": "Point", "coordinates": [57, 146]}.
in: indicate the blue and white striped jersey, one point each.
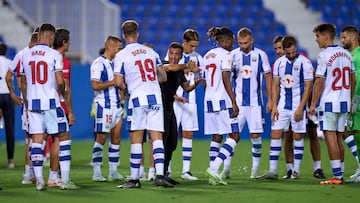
{"type": "Point", "coordinates": [335, 65]}
{"type": "Point", "coordinates": [248, 70]}
{"type": "Point", "coordinates": [137, 63]}
{"type": "Point", "coordinates": [39, 65]}
{"type": "Point", "coordinates": [102, 70]}
{"type": "Point", "coordinates": [216, 61]}
{"type": "Point", "coordinates": [293, 75]}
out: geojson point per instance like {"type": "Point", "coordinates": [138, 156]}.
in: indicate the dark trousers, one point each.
{"type": "Point", "coordinates": [169, 136]}
{"type": "Point", "coordinates": [8, 108]}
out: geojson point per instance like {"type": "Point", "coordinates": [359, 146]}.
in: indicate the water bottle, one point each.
{"type": "Point", "coordinates": [314, 119]}
{"type": "Point", "coordinates": [349, 121]}
{"type": "Point", "coordinates": [2, 123]}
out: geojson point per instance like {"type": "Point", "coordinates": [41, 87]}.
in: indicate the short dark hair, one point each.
{"type": "Point", "coordinates": [176, 45]}
{"type": "Point", "coordinates": [326, 28]}
{"type": "Point", "coordinates": [61, 35]}
{"type": "Point", "coordinates": [278, 38]}
{"type": "Point", "coordinates": [130, 27]}
{"type": "Point", "coordinates": [190, 35]}
{"type": "Point", "coordinates": [288, 42]}
{"type": "Point", "coordinates": [350, 28]}
{"type": "Point", "coordinates": [3, 49]}
{"type": "Point", "coordinates": [46, 27]}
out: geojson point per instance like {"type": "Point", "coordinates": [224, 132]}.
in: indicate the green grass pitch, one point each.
{"type": "Point", "coordinates": [240, 188]}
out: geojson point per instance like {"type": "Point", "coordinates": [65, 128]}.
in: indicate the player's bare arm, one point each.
{"type": "Point", "coordinates": [298, 115]}
{"type": "Point", "coordinates": [9, 82]}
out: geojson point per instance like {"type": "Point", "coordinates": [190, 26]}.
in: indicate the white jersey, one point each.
{"type": "Point", "coordinates": [190, 76]}
{"type": "Point", "coordinates": [102, 70]}
{"type": "Point", "coordinates": [15, 64]}
{"type": "Point", "coordinates": [39, 65]}
{"type": "Point", "coordinates": [249, 69]}
{"type": "Point", "coordinates": [137, 63]}
{"type": "Point", "coordinates": [4, 64]}
{"type": "Point", "coordinates": [335, 64]}
{"type": "Point", "coordinates": [293, 75]}
{"type": "Point", "coordinates": [216, 61]}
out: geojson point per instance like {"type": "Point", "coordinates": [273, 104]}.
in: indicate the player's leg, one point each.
{"type": "Point", "coordinates": [114, 147]}
{"type": "Point", "coordinates": [315, 150]}
{"type": "Point", "coordinates": [53, 180]}
{"type": "Point", "coordinates": [330, 127]}
{"type": "Point", "coordinates": [299, 129]}
{"type": "Point", "coordinates": [97, 156]}
{"type": "Point", "coordinates": [36, 130]}
{"type": "Point", "coordinates": [289, 152]}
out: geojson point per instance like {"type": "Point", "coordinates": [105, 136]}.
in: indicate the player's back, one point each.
{"type": "Point", "coordinates": [216, 61]}
{"type": "Point", "coordinates": [337, 87]}
{"type": "Point", "coordinates": [137, 63]}
{"type": "Point", "coordinates": [39, 65]}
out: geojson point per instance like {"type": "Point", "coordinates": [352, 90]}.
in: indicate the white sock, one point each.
{"type": "Point", "coordinates": [135, 159]}
{"type": "Point", "coordinates": [65, 160]}
{"type": "Point", "coordinates": [256, 154]}
{"type": "Point", "coordinates": [275, 149]}
{"type": "Point", "coordinates": [298, 154]}
{"type": "Point", "coordinates": [187, 154]}
{"type": "Point", "coordinates": [159, 156]}
{"type": "Point", "coordinates": [114, 156]}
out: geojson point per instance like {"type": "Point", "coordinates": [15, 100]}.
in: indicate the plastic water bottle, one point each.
{"type": "Point", "coordinates": [314, 119]}
{"type": "Point", "coordinates": [349, 121]}
{"type": "Point", "coordinates": [2, 123]}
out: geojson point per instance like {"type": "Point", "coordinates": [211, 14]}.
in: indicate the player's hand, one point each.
{"type": "Point", "coordinates": [274, 115]}
{"type": "Point", "coordinates": [269, 106]}
{"type": "Point", "coordinates": [17, 100]}
{"type": "Point", "coordinates": [235, 111]}
{"type": "Point", "coordinates": [298, 115]}
{"type": "Point", "coordinates": [71, 118]}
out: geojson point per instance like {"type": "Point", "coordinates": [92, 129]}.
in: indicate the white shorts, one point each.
{"type": "Point", "coordinates": [219, 122]}
{"type": "Point", "coordinates": [106, 119]}
{"type": "Point", "coordinates": [24, 120]}
{"type": "Point", "coordinates": [332, 121]}
{"type": "Point", "coordinates": [253, 116]}
{"type": "Point", "coordinates": [51, 121]}
{"type": "Point", "coordinates": [186, 115]}
{"type": "Point", "coordinates": [286, 117]}
{"type": "Point", "coordinates": [146, 118]}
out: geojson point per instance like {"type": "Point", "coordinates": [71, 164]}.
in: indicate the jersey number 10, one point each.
{"type": "Point", "coordinates": [36, 70]}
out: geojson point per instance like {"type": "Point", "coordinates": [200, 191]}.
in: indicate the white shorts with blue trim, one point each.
{"type": "Point", "coordinates": [51, 121]}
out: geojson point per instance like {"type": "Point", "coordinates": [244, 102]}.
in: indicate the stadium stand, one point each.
{"type": "Point", "coordinates": [163, 21]}
{"type": "Point", "coordinates": [339, 12]}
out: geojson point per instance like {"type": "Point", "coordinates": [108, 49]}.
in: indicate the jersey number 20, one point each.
{"type": "Point", "coordinates": [342, 76]}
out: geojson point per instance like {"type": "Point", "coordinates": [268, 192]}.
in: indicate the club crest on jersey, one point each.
{"type": "Point", "coordinates": [254, 59]}
{"type": "Point", "coordinates": [288, 81]}
{"type": "Point", "coordinates": [296, 67]}
{"type": "Point", "coordinates": [246, 71]}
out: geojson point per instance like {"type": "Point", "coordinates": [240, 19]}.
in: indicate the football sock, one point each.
{"type": "Point", "coordinates": [159, 156]}
{"type": "Point", "coordinates": [186, 153]}
{"type": "Point", "coordinates": [224, 152]}
{"type": "Point", "coordinates": [256, 150]}
{"type": "Point", "coordinates": [214, 150]}
{"type": "Point", "coordinates": [135, 159]}
{"type": "Point", "coordinates": [336, 169]}
{"type": "Point", "coordinates": [37, 157]}
{"type": "Point", "coordinates": [350, 142]}
{"type": "Point", "coordinates": [97, 157]}
{"type": "Point", "coordinates": [275, 149]}
{"type": "Point", "coordinates": [114, 156]}
{"type": "Point", "coordinates": [65, 159]}
{"type": "Point", "coordinates": [298, 154]}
